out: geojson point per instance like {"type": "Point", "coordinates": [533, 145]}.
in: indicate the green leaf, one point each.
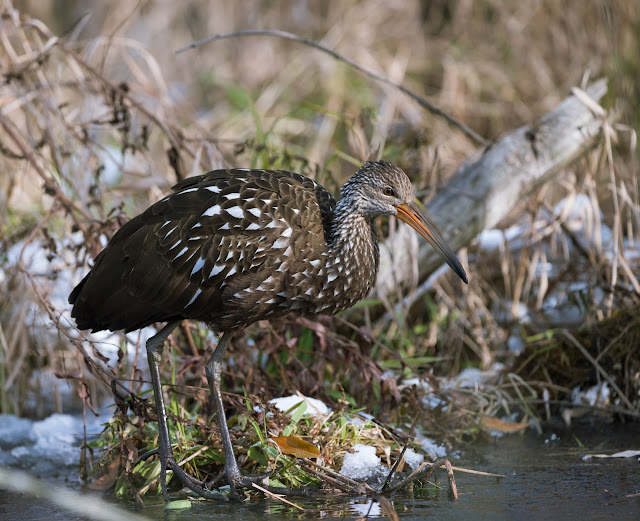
{"type": "Point", "coordinates": [180, 504]}
{"type": "Point", "coordinates": [256, 454]}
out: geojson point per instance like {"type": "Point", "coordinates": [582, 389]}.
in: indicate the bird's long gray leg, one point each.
{"type": "Point", "coordinates": [213, 371]}
{"type": "Point", "coordinates": [231, 470]}
{"type": "Point", "coordinates": [155, 347]}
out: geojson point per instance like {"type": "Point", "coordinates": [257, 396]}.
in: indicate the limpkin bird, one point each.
{"type": "Point", "coordinates": [232, 247]}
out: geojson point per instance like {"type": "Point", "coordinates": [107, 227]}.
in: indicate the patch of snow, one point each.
{"type": "Point", "coordinates": [431, 401]}
{"type": "Point", "coordinates": [492, 239]}
{"type": "Point", "coordinates": [315, 407]}
{"type": "Point", "coordinates": [15, 431]}
{"type": "Point", "coordinates": [434, 450]}
{"type": "Point", "coordinates": [43, 447]}
{"type": "Point", "coordinates": [418, 382]}
{"type": "Point", "coordinates": [515, 343]}
{"type": "Point", "coordinates": [509, 311]}
{"type": "Point", "coordinates": [472, 377]}
{"type": "Point", "coordinates": [596, 395]}
{"type": "Point", "coordinates": [413, 458]}
{"type": "Point", "coordinates": [359, 420]}
{"type": "Point", "coordinates": [362, 463]}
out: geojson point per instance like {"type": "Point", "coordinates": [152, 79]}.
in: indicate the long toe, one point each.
{"type": "Point", "coordinates": [238, 481]}
{"type": "Point", "coordinates": [193, 484]}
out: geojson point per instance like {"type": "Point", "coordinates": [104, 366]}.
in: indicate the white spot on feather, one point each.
{"type": "Point", "coordinates": [287, 232]}
{"type": "Point", "coordinates": [198, 266]}
{"type": "Point", "coordinates": [213, 189]}
{"type": "Point", "coordinates": [216, 269]}
{"type": "Point", "coordinates": [232, 195]}
{"type": "Point", "coordinates": [254, 211]}
{"type": "Point", "coordinates": [213, 210]}
{"type": "Point", "coordinates": [253, 226]}
{"type": "Point", "coordinates": [231, 271]}
{"type": "Point", "coordinates": [280, 243]}
{"type": "Point", "coordinates": [194, 297]}
{"type": "Point", "coordinates": [187, 191]}
{"type": "Point", "coordinates": [271, 224]}
{"type": "Point", "coordinates": [170, 231]}
{"type": "Point", "coordinates": [168, 222]}
{"type": "Point", "coordinates": [331, 277]}
{"type": "Point", "coordinates": [315, 263]}
{"type": "Point", "coordinates": [235, 211]}
{"type": "Point", "coordinates": [176, 244]}
{"type": "Point", "coordinates": [225, 226]}
{"type": "Point", "coordinates": [197, 225]}
{"type": "Point", "coordinates": [182, 252]}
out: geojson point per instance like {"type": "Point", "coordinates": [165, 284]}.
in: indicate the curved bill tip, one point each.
{"type": "Point", "coordinates": [411, 214]}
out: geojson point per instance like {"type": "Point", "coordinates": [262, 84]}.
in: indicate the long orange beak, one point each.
{"type": "Point", "coordinates": [412, 215]}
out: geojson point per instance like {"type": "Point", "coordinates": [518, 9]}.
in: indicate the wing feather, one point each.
{"type": "Point", "coordinates": [218, 247]}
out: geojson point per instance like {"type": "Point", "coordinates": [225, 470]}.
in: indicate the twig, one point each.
{"type": "Point", "coordinates": [452, 480]}
{"type": "Point", "coordinates": [277, 496]}
{"type": "Point", "coordinates": [342, 482]}
{"type": "Point", "coordinates": [387, 481]}
{"type": "Point", "coordinates": [387, 508]}
{"type": "Point", "coordinates": [368, 72]}
{"type": "Point", "coordinates": [426, 468]}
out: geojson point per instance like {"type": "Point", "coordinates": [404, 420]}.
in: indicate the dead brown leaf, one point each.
{"type": "Point", "coordinates": [296, 447]}
{"type": "Point", "coordinates": [496, 424]}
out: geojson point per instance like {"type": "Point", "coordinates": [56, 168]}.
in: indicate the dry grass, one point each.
{"type": "Point", "coordinates": [97, 123]}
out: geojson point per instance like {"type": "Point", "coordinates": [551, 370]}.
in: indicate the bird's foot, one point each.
{"type": "Point", "coordinates": [194, 484]}
{"type": "Point", "coordinates": [237, 480]}
{"type": "Point", "coordinates": [230, 474]}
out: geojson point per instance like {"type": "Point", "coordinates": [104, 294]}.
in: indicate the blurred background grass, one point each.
{"type": "Point", "coordinates": [113, 148]}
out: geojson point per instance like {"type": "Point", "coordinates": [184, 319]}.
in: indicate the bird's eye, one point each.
{"type": "Point", "coordinates": [389, 191]}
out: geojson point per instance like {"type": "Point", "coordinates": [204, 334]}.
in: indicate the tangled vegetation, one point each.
{"type": "Point", "coordinates": [95, 126]}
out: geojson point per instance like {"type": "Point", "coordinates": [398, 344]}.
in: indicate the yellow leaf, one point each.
{"type": "Point", "coordinates": [496, 424]}
{"type": "Point", "coordinates": [296, 447]}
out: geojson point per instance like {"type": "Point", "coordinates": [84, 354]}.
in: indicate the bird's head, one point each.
{"type": "Point", "coordinates": [380, 188]}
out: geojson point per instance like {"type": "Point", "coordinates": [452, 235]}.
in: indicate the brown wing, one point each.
{"type": "Point", "coordinates": [220, 249]}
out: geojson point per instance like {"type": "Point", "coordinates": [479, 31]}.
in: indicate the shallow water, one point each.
{"type": "Point", "coordinates": [545, 480]}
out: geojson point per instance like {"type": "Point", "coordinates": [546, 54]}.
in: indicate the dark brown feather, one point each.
{"type": "Point", "coordinates": [221, 236]}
